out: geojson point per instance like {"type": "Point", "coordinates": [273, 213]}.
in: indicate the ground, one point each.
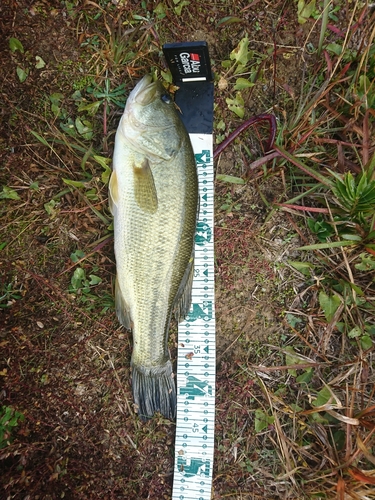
{"type": "Point", "coordinates": [65, 359]}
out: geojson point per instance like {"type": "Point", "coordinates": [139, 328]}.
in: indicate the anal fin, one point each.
{"type": "Point", "coordinates": [122, 308]}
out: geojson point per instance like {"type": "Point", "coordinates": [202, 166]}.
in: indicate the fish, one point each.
{"type": "Point", "coordinates": [153, 196]}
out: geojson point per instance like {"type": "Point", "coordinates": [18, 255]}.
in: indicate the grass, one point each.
{"type": "Point", "coordinates": [295, 260]}
{"type": "Point", "coordinates": [321, 444]}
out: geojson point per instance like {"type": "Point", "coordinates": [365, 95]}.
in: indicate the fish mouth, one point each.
{"type": "Point", "coordinates": [144, 91]}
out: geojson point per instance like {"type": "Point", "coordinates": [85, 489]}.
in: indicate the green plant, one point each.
{"type": "Point", "coordinates": [321, 228]}
{"type": "Point", "coordinates": [305, 10]}
{"type": "Point", "coordinates": [9, 419]}
{"type": "Point", "coordinates": [350, 212]}
{"type": "Point", "coordinates": [242, 62]}
{"type": "Point", "coordinates": [9, 194]}
{"type": "Point", "coordinates": [356, 195]}
{"type": "Point", "coordinates": [79, 127]}
{"type": "Point", "coordinates": [262, 420]}
{"type": "Point", "coordinates": [179, 5]}
{"type": "Point", "coordinates": [105, 96]}
{"type": "Point", "coordinates": [229, 204]}
{"type": "Point", "coordinates": [28, 62]}
{"type": "Point", "coordinates": [323, 28]}
{"type": "Point", "coordinates": [8, 295]}
{"type": "Point", "coordinates": [80, 284]}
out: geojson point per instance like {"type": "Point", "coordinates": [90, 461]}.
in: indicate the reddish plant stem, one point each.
{"type": "Point", "coordinates": [251, 121]}
{"type": "Point", "coordinates": [304, 209]}
{"type": "Point", "coordinates": [264, 159]}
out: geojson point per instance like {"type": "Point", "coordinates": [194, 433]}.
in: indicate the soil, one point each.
{"type": "Point", "coordinates": [65, 359]}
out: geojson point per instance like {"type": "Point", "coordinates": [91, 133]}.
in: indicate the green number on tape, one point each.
{"type": "Point", "coordinates": [190, 467]}
{"type": "Point", "coordinates": [195, 387]}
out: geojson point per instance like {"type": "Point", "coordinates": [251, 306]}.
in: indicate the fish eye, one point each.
{"type": "Point", "coordinates": [166, 98]}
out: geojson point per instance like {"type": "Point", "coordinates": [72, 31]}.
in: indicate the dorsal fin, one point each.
{"type": "Point", "coordinates": [183, 298]}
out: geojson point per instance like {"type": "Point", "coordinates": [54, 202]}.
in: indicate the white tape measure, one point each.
{"type": "Point", "coordinates": [194, 445]}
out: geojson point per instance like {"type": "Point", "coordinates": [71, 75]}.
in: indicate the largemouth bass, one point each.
{"type": "Point", "coordinates": [153, 196]}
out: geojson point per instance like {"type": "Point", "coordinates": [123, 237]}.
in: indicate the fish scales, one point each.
{"type": "Point", "coordinates": [153, 198]}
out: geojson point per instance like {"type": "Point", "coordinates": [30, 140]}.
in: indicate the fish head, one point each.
{"type": "Point", "coordinates": [150, 123]}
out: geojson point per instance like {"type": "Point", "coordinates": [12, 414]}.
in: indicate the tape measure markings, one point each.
{"type": "Point", "coordinates": [194, 446]}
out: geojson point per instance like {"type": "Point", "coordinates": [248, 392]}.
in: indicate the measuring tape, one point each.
{"type": "Point", "coordinates": [194, 445]}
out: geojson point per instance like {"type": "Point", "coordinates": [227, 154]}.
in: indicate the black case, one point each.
{"type": "Point", "coordinates": [189, 63]}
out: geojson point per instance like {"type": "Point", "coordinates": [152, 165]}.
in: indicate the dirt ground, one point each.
{"type": "Point", "coordinates": [64, 357]}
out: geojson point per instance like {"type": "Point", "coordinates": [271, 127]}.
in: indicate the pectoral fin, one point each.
{"type": "Point", "coordinates": [183, 298]}
{"type": "Point", "coordinates": [122, 308]}
{"type": "Point", "coordinates": [113, 192]}
{"type": "Point", "coordinates": [144, 188]}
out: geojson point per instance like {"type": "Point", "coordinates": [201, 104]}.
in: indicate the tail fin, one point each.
{"type": "Point", "coordinates": [154, 389]}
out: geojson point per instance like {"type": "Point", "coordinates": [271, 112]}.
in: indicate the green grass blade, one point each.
{"type": "Point", "coordinates": [323, 246]}
{"type": "Point", "coordinates": [308, 170]}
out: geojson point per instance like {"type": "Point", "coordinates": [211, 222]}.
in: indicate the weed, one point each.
{"type": "Point", "coordinates": [8, 194]}
{"type": "Point", "coordinates": [242, 62]}
{"type": "Point", "coordinates": [26, 62]}
{"type": "Point", "coordinates": [229, 204]}
{"type": "Point", "coordinates": [341, 215]}
{"type": "Point", "coordinates": [82, 287]}
{"type": "Point", "coordinates": [9, 419]}
{"type": "Point", "coordinates": [81, 284]}
{"type": "Point", "coordinates": [104, 96]}
{"type": "Point", "coordinates": [8, 295]}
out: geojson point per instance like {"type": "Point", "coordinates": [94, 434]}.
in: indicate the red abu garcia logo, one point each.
{"type": "Point", "coordinates": [191, 63]}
